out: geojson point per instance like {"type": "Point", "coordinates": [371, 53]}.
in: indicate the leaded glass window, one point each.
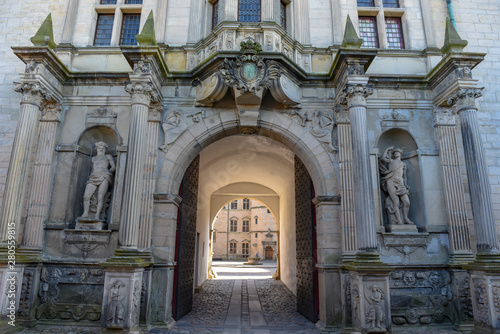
{"type": "Point", "coordinates": [130, 2]}
{"type": "Point", "coordinates": [108, 2]}
{"type": "Point", "coordinates": [130, 28]}
{"type": "Point", "coordinates": [245, 247]}
{"type": "Point", "coordinates": [234, 226]}
{"type": "Point", "coordinates": [249, 11]}
{"type": "Point", "coordinates": [394, 33]}
{"type": "Point", "coordinates": [246, 204]}
{"type": "Point", "coordinates": [104, 29]}
{"type": "Point", "coordinates": [365, 3]}
{"type": "Point", "coordinates": [391, 3]}
{"type": "Point", "coordinates": [232, 248]}
{"type": "Point", "coordinates": [246, 226]}
{"type": "Point", "coordinates": [234, 205]}
{"type": "Point", "coordinates": [368, 32]}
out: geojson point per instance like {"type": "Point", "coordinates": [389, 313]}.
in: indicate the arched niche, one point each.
{"type": "Point", "coordinates": [82, 165]}
{"type": "Point", "coordinates": [400, 138]}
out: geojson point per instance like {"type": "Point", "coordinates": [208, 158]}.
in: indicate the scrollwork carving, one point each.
{"type": "Point", "coordinates": [465, 98]}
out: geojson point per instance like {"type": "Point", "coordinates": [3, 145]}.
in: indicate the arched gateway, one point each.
{"type": "Point", "coordinates": [114, 177]}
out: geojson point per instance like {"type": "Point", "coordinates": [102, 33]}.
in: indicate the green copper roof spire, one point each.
{"type": "Point", "coordinates": [452, 41]}
{"type": "Point", "coordinates": [147, 35]}
{"type": "Point", "coordinates": [44, 35]}
{"type": "Point", "coordinates": [351, 38]}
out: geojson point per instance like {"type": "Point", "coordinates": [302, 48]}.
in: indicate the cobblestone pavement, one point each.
{"type": "Point", "coordinates": [244, 306]}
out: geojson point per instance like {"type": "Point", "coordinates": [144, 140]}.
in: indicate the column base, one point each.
{"type": "Point", "coordinates": [457, 260]}
{"type": "Point", "coordinates": [368, 261]}
{"type": "Point", "coordinates": [131, 257]}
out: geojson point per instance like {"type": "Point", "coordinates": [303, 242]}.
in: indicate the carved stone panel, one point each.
{"type": "Point", "coordinates": [421, 297]}
{"type": "Point", "coordinates": [70, 293]}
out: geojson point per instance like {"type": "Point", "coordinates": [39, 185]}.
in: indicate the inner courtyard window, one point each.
{"type": "Point", "coordinates": [104, 29]}
{"type": "Point", "coordinates": [232, 248]}
{"type": "Point", "coordinates": [365, 3]}
{"type": "Point", "coordinates": [246, 204]}
{"type": "Point", "coordinates": [130, 28]}
{"type": "Point", "coordinates": [246, 226]}
{"type": "Point", "coordinates": [249, 11]}
{"type": "Point", "coordinates": [234, 226]}
{"type": "Point", "coordinates": [245, 247]}
{"type": "Point", "coordinates": [368, 32]}
{"type": "Point", "coordinates": [215, 14]}
{"type": "Point", "coordinates": [283, 14]}
{"type": "Point", "coordinates": [394, 33]}
{"type": "Point", "coordinates": [391, 3]}
{"type": "Point", "coordinates": [234, 205]}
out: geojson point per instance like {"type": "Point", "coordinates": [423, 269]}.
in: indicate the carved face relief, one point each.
{"type": "Point", "coordinates": [409, 278]}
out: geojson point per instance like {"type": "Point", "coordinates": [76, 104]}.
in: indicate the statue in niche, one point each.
{"type": "Point", "coordinates": [173, 127]}
{"type": "Point", "coordinates": [100, 179]}
{"type": "Point", "coordinates": [375, 311]}
{"type": "Point", "coordinates": [393, 181]}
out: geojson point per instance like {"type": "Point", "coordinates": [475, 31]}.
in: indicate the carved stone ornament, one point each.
{"type": "Point", "coordinates": [299, 115]}
{"type": "Point", "coordinates": [210, 91]}
{"type": "Point", "coordinates": [33, 92]}
{"type": "Point", "coordinates": [465, 98]}
{"type": "Point", "coordinates": [87, 240]}
{"type": "Point", "coordinates": [464, 72]}
{"type": "Point", "coordinates": [249, 73]}
{"type": "Point", "coordinates": [444, 117]}
{"type": "Point", "coordinates": [321, 128]}
{"type": "Point", "coordinates": [31, 67]}
{"type": "Point", "coordinates": [341, 115]}
{"type": "Point", "coordinates": [116, 310]}
{"type": "Point", "coordinates": [51, 111]}
{"type": "Point", "coordinates": [481, 314]}
{"type": "Point", "coordinates": [142, 67]}
{"type": "Point", "coordinates": [142, 93]}
{"type": "Point", "coordinates": [375, 314]}
{"type": "Point", "coordinates": [173, 126]}
{"type": "Point", "coordinates": [69, 293]}
{"type": "Point", "coordinates": [355, 95]}
{"type": "Point", "coordinates": [155, 110]}
{"type": "Point", "coordinates": [101, 116]}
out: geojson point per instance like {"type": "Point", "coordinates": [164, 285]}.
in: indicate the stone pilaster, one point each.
{"type": "Point", "coordinates": [38, 202]}
{"type": "Point", "coordinates": [477, 172]}
{"type": "Point", "coordinates": [142, 96]}
{"type": "Point", "coordinates": [33, 94]}
{"type": "Point", "coordinates": [195, 22]}
{"type": "Point", "coordinates": [355, 96]}
{"type": "Point", "coordinates": [231, 11]}
{"type": "Point", "coordinates": [148, 187]}
{"type": "Point", "coordinates": [122, 299]}
{"type": "Point", "coordinates": [445, 125]}
{"type": "Point", "coordinates": [267, 10]}
{"type": "Point", "coordinates": [302, 30]}
{"type": "Point", "coordinates": [346, 181]}
{"type": "Point", "coordinates": [371, 305]}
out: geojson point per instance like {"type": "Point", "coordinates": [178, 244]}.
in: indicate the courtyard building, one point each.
{"type": "Point", "coordinates": [354, 142]}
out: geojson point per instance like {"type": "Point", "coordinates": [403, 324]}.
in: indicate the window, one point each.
{"type": "Point", "coordinates": [391, 3]}
{"type": "Point", "coordinates": [256, 220]}
{"type": "Point", "coordinates": [234, 205]}
{"type": "Point", "coordinates": [283, 14]}
{"type": "Point", "coordinates": [234, 226]}
{"type": "Point", "coordinates": [130, 2]}
{"type": "Point", "coordinates": [108, 2]}
{"type": "Point", "coordinates": [268, 211]}
{"type": "Point", "coordinates": [215, 14]}
{"type": "Point", "coordinates": [232, 248]}
{"type": "Point", "coordinates": [368, 32]}
{"type": "Point", "coordinates": [394, 33]}
{"type": "Point", "coordinates": [249, 11]}
{"type": "Point", "coordinates": [246, 204]}
{"type": "Point", "coordinates": [365, 3]}
{"type": "Point", "coordinates": [256, 235]}
{"type": "Point", "coordinates": [104, 29]}
{"type": "Point", "coordinates": [245, 226]}
{"type": "Point", "coordinates": [214, 236]}
{"type": "Point", "coordinates": [130, 28]}
{"type": "Point", "coordinates": [245, 249]}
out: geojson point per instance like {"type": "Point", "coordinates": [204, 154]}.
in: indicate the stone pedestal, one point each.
{"type": "Point", "coordinates": [485, 293]}
{"type": "Point", "coordinates": [402, 229]}
{"type": "Point", "coordinates": [90, 224]}
{"type": "Point", "coordinates": [370, 298]}
{"type": "Point", "coordinates": [122, 298]}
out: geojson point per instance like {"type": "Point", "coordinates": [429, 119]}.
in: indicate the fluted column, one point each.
{"type": "Point", "coordinates": [267, 10]}
{"type": "Point", "coordinates": [363, 193]}
{"type": "Point", "coordinates": [445, 124]}
{"type": "Point", "coordinates": [146, 218]}
{"type": "Point", "coordinates": [39, 195]}
{"type": "Point", "coordinates": [477, 173]}
{"type": "Point", "coordinates": [142, 95]}
{"type": "Point", "coordinates": [348, 214]}
{"type": "Point", "coordinates": [33, 95]}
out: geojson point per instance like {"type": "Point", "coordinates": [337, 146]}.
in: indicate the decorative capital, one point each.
{"type": "Point", "coordinates": [142, 93]}
{"type": "Point", "coordinates": [444, 117]}
{"type": "Point", "coordinates": [355, 95]}
{"type": "Point", "coordinates": [33, 93]}
{"type": "Point", "coordinates": [51, 111]}
{"type": "Point", "coordinates": [465, 98]}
